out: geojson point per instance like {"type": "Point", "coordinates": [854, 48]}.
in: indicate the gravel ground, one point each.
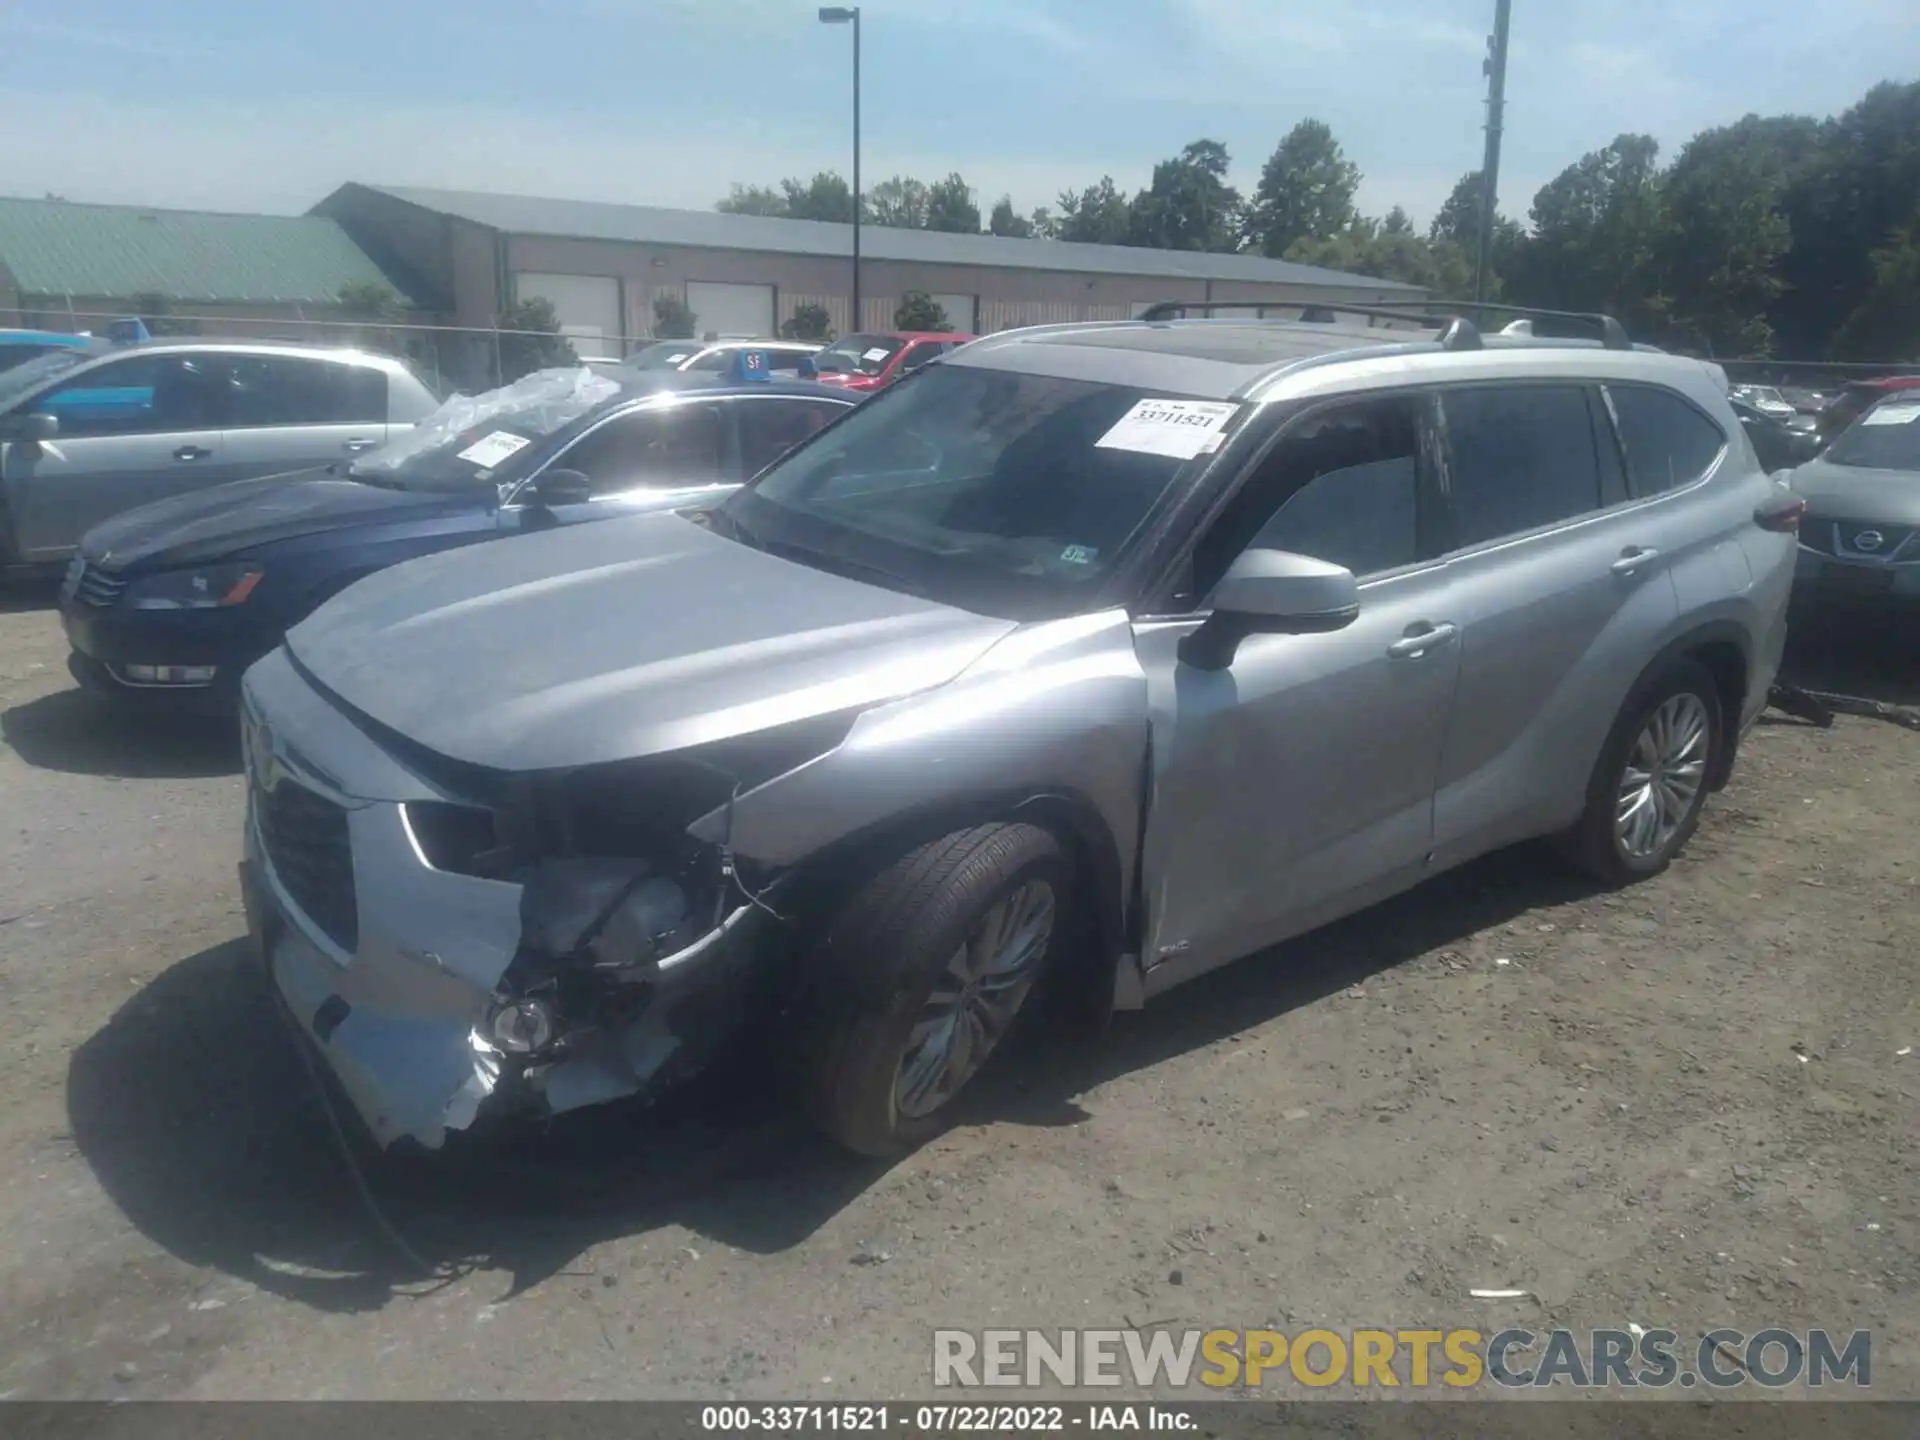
{"type": "Point", "coordinates": [1683, 1105]}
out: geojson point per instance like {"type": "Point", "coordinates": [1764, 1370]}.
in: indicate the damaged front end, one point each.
{"type": "Point", "coordinates": [535, 946]}
{"type": "Point", "coordinates": [630, 976]}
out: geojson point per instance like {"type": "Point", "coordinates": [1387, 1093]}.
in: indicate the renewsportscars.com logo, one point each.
{"type": "Point", "coordinates": [1634, 1358]}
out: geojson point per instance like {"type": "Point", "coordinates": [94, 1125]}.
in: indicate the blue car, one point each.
{"type": "Point", "coordinates": [19, 346]}
{"type": "Point", "coordinates": [168, 604]}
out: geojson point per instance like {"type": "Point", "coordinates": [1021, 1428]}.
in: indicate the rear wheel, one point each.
{"type": "Point", "coordinates": [1647, 791]}
{"type": "Point", "coordinates": [921, 975]}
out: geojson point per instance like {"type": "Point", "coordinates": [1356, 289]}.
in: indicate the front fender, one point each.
{"type": "Point", "coordinates": [1053, 710]}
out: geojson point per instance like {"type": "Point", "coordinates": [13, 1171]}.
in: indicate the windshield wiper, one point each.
{"type": "Point", "coordinates": [733, 528]}
{"type": "Point", "coordinates": [841, 565]}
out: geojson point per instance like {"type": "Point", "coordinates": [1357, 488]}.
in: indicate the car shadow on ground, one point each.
{"type": "Point", "coordinates": [20, 597]}
{"type": "Point", "coordinates": [200, 1122]}
{"type": "Point", "coordinates": [1874, 655]}
{"type": "Point", "coordinates": [79, 733]}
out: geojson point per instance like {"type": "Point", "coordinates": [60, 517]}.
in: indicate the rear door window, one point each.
{"type": "Point", "coordinates": [1521, 457]}
{"type": "Point", "coordinates": [270, 390]}
{"type": "Point", "coordinates": [1668, 443]}
{"type": "Point", "coordinates": [771, 426]}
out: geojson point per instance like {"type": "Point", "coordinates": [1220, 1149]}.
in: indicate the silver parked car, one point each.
{"type": "Point", "coordinates": [1860, 539]}
{"type": "Point", "coordinates": [88, 432]}
{"type": "Point", "coordinates": [1105, 653]}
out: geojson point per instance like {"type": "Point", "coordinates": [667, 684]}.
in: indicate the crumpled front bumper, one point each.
{"type": "Point", "coordinates": [393, 993]}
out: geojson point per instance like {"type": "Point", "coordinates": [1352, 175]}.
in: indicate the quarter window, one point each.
{"type": "Point", "coordinates": [265, 390]}
{"type": "Point", "coordinates": [1522, 456]}
{"type": "Point", "coordinates": [1669, 443]}
{"type": "Point", "coordinates": [668, 447]}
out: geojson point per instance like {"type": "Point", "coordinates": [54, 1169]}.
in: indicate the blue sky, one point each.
{"type": "Point", "coordinates": [251, 106]}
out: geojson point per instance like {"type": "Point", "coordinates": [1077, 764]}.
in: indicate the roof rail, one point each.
{"type": "Point", "coordinates": [1611, 334]}
{"type": "Point", "coordinates": [1456, 333]}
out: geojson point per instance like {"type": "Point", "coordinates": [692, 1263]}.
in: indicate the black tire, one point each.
{"type": "Point", "coordinates": [1594, 843]}
{"type": "Point", "coordinates": [879, 960]}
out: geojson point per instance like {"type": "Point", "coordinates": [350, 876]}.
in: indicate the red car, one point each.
{"type": "Point", "coordinates": [871, 362]}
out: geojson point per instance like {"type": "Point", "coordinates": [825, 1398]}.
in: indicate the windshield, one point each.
{"type": "Point", "coordinates": [858, 355]}
{"type": "Point", "coordinates": [21, 378]}
{"type": "Point", "coordinates": [474, 441]}
{"type": "Point", "coordinates": [1887, 437]}
{"type": "Point", "coordinates": [664, 355]}
{"type": "Point", "coordinates": [1002, 493]}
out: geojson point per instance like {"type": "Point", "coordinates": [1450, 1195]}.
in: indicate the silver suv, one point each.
{"type": "Point", "coordinates": [90, 431]}
{"type": "Point", "coordinates": [1104, 654]}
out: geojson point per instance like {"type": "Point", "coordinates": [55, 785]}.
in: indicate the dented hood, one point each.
{"type": "Point", "coordinates": [620, 640]}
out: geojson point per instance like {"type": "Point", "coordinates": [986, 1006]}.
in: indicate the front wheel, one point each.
{"type": "Point", "coordinates": [1647, 791]}
{"type": "Point", "coordinates": [921, 975]}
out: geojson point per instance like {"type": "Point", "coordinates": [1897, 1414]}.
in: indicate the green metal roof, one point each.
{"type": "Point", "coordinates": [56, 247]}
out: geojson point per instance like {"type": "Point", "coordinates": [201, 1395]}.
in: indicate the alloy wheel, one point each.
{"type": "Point", "coordinates": [1661, 781]}
{"type": "Point", "coordinates": [974, 1000]}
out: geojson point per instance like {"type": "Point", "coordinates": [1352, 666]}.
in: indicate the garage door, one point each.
{"type": "Point", "coordinates": [588, 307]}
{"type": "Point", "coordinates": [731, 312]}
{"type": "Point", "coordinates": [959, 310]}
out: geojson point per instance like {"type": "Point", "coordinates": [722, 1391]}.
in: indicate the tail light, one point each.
{"type": "Point", "coordinates": [1782, 515]}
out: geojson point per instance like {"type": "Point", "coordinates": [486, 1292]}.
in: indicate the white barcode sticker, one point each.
{"type": "Point", "coordinates": [1180, 429]}
{"type": "Point", "coordinates": [1901, 414]}
{"type": "Point", "coordinates": [490, 451]}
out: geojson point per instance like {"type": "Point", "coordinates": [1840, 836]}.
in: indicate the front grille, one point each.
{"type": "Point", "coordinates": [305, 835]}
{"type": "Point", "coordinates": [1879, 542]}
{"type": "Point", "coordinates": [94, 585]}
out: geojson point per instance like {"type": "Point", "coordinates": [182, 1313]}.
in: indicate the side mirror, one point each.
{"type": "Point", "coordinates": [806, 369]}
{"type": "Point", "coordinates": [31, 428]}
{"type": "Point", "coordinates": [553, 488]}
{"type": "Point", "coordinates": [1272, 591]}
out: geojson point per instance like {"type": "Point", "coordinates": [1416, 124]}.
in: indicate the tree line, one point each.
{"type": "Point", "coordinates": [1775, 235]}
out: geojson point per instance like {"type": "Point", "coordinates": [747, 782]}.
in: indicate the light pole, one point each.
{"type": "Point", "coordinates": [850, 15]}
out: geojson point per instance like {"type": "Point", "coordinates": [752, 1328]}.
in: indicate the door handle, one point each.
{"type": "Point", "coordinates": [1632, 558]}
{"type": "Point", "coordinates": [191, 452]}
{"type": "Point", "coordinates": [356, 446]}
{"type": "Point", "coordinates": [1412, 647]}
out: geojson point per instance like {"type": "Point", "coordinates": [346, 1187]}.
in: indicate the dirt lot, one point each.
{"type": "Point", "coordinates": [1686, 1105]}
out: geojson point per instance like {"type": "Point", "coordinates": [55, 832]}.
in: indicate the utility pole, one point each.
{"type": "Point", "coordinates": [1495, 68]}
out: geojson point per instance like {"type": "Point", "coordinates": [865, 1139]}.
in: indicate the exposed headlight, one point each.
{"type": "Point", "coordinates": [521, 1026]}
{"type": "Point", "coordinates": [203, 589]}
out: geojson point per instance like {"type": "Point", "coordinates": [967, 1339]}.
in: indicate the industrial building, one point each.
{"type": "Point", "coordinates": [468, 255]}
{"type": "Point", "coordinates": [70, 266]}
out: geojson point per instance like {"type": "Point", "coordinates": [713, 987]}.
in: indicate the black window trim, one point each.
{"type": "Point", "coordinates": [1433, 520]}
{"type": "Point", "coordinates": [1607, 387]}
